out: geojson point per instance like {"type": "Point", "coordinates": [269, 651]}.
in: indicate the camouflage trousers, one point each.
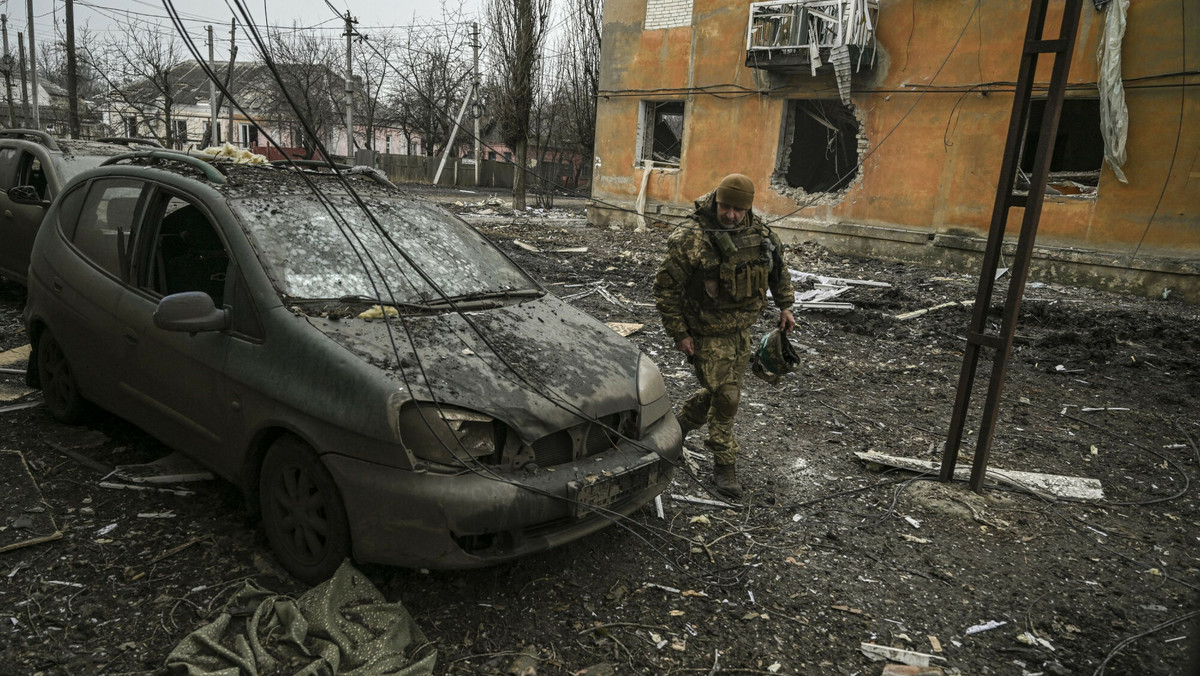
{"type": "Point", "coordinates": [720, 363]}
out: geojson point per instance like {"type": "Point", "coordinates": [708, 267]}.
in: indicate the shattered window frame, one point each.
{"type": "Point", "coordinates": [661, 132]}
{"type": "Point", "coordinates": [1078, 145]}
{"type": "Point", "coordinates": [818, 115]}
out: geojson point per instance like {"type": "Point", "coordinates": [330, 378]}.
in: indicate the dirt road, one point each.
{"type": "Point", "coordinates": [827, 553]}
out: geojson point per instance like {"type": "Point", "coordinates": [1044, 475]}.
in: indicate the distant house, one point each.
{"type": "Point", "coordinates": [142, 109]}
{"type": "Point", "coordinates": [878, 128]}
{"type": "Point", "coordinates": [53, 109]}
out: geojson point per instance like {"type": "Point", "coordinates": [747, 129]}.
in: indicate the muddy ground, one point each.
{"type": "Point", "coordinates": [826, 554]}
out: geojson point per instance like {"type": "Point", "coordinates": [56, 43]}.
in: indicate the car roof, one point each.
{"type": "Point", "coordinates": [240, 180]}
{"type": "Point", "coordinates": [106, 147]}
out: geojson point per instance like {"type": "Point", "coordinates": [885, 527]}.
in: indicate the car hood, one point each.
{"type": "Point", "coordinates": [537, 365]}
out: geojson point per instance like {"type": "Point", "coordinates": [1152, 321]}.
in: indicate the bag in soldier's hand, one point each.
{"type": "Point", "coordinates": [774, 357]}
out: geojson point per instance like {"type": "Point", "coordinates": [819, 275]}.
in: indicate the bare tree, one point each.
{"type": "Point", "coordinates": [435, 74]}
{"type": "Point", "coordinates": [373, 67]}
{"type": "Point", "coordinates": [141, 64]}
{"type": "Point", "coordinates": [518, 29]}
{"type": "Point", "coordinates": [307, 66]}
{"type": "Point", "coordinates": [579, 78]}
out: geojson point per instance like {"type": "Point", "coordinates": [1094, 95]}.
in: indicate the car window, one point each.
{"type": "Point", "coordinates": [8, 167]}
{"type": "Point", "coordinates": [30, 172]}
{"type": "Point", "coordinates": [310, 255]}
{"type": "Point", "coordinates": [105, 227]}
{"type": "Point", "coordinates": [186, 253]}
{"type": "Point", "coordinates": [69, 206]}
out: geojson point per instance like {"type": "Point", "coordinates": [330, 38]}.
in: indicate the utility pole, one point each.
{"type": "Point", "coordinates": [37, 115]}
{"type": "Point", "coordinates": [476, 109]}
{"type": "Point", "coordinates": [72, 73]}
{"type": "Point", "coordinates": [24, 85]}
{"type": "Point", "coordinates": [8, 66]}
{"type": "Point", "coordinates": [350, 21]}
{"type": "Point", "coordinates": [229, 80]}
{"type": "Point", "coordinates": [212, 92]}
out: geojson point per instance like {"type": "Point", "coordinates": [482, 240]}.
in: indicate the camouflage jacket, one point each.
{"type": "Point", "coordinates": [706, 286]}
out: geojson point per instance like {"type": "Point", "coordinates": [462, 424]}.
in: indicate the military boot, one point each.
{"type": "Point", "coordinates": [686, 426]}
{"type": "Point", "coordinates": [725, 478]}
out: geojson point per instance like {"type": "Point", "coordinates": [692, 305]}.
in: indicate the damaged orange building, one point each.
{"type": "Point", "coordinates": [878, 128]}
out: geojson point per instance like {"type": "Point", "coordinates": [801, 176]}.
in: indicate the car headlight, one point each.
{"type": "Point", "coordinates": [447, 435]}
{"type": "Point", "coordinates": [652, 393]}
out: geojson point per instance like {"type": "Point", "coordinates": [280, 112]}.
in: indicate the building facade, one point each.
{"type": "Point", "coordinates": [879, 128]}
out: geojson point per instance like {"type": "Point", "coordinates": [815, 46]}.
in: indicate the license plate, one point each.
{"type": "Point", "coordinates": [607, 490]}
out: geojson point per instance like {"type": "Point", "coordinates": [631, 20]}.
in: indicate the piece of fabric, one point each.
{"type": "Point", "coordinates": [720, 365]}
{"type": "Point", "coordinates": [713, 280]}
{"type": "Point", "coordinates": [341, 627]}
{"type": "Point", "coordinates": [1114, 115]}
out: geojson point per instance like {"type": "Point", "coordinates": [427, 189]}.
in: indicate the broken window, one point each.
{"type": "Point", "coordinates": [662, 132]}
{"type": "Point", "coordinates": [186, 254]}
{"type": "Point", "coordinates": [1078, 147]}
{"type": "Point", "coordinates": [819, 152]}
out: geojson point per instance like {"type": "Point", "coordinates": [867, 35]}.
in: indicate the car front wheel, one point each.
{"type": "Point", "coordinates": [302, 511]}
{"type": "Point", "coordinates": [59, 389]}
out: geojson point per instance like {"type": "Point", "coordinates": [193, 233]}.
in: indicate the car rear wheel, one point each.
{"type": "Point", "coordinates": [302, 511]}
{"type": "Point", "coordinates": [59, 389]}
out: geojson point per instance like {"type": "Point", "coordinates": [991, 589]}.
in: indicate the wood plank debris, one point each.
{"type": "Point", "coordinates": [571, 249]}
{"type": "Point", "coordinates": [521, 244]}
{"type": "Point", "coordinates": [623, 328]}
{"type": "Point", "coordinates": [13, 362]}
{"type": "Point", "coordinates": [910, 657]}
{"type": "Point", "coordinates": [170, 469]}
{"type": "Point", "coordinates": [1077, 488]}
{"type": "Point", "coordinates": [703, 501]}
{"type": "Point", "coordinates": [918, 313]}
{"type": "Point", "coordinates": [20, 407]}
{"type": "Point", "coordinates": [28, 519]}
{"type": "Point", "coordinates": [798, 276]}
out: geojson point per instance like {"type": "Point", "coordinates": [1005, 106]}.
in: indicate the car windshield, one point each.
{"type": "Point", "coordinates": [308, 256]}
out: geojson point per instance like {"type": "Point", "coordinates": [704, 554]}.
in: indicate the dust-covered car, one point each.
{"type": "Point", "coordinates": [34, 167]}
{"type": "Point", "coordinates": [382, 382]}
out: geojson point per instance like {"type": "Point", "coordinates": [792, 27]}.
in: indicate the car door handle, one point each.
{"type": "Point", "coordinates": [131, 336]}
{"type": "Point", "coordinates": [57, 284]}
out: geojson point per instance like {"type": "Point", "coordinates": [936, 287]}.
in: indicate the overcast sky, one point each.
{"type": "Point", "coordinates": [98, 15]}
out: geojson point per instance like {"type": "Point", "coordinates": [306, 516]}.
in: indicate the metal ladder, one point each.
{"type": "Point", "coordinates": [1061, 49]}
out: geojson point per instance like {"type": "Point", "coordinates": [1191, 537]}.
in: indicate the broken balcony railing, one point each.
{"type": "Point", "coordinates": [791, 34]}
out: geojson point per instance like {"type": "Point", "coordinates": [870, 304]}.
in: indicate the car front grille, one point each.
{"type": "Point", "coordinates": [581, 441]}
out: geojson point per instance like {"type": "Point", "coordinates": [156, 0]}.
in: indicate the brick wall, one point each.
{"type": "Point", "coordinates": [668, 14]}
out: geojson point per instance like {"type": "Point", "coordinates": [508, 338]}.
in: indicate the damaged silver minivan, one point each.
{"type": "Point", "coordinates": [381, 383]}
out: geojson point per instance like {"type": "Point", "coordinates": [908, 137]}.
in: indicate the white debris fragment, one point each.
{"type": "Point", "coordinates": [913, 522]}
{"type": "Point", "coordinates": [107, 529]}
{"type": "Point", "coordinates": [986, 626]}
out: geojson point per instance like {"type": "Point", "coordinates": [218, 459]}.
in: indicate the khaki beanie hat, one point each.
{"type": "Point", "coordinates": [736, 190]}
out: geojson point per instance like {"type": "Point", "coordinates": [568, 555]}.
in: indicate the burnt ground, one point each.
{"type": "Point", "coordinates": [826, 554]}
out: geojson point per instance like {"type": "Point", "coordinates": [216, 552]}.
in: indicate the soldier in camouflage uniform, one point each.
{"type": "Point", "coordinates": [710, 290]}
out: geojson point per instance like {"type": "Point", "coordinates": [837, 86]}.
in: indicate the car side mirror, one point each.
{"type": "Point", "coordinates": [191, 312]}
{"type": "Point", "coordinates": [27, 194]}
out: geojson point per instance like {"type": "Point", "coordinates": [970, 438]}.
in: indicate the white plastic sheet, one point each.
{"type": "Point", "coordinates": [1114, 115]}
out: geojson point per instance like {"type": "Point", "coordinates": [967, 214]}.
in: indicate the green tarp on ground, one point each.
{"type": "Point", "coordinates": [342, 627]}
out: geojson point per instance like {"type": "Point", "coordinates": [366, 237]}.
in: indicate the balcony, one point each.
{"type": "Point", "coordinates": [813, 36]}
